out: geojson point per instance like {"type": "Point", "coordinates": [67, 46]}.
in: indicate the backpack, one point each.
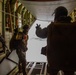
{"type": "Point", "coordinates": [12, 43]}
{"type": "Point", "coordinates": [17, 42]}
{"type": "Point", "coordinates": [61, 46]}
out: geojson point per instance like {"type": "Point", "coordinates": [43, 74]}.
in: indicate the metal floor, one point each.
{"type": "Point", "coordinates": [32, 68]}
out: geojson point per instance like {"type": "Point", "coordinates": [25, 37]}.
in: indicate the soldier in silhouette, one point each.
{"type": "Point", "coordinates": [61, 16]}
{"type": "Point", "coordinates": [19, 43]}
{"type": "Point", "coordinates": [21, 50]}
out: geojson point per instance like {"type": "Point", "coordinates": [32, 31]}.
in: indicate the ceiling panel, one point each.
{"type": "Point", "coordinates": [44, 10]}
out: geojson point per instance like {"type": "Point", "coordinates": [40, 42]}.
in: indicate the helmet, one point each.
{"type": "Point", "coordinates": [26, 27]}
{"type": "Point", "coordinates": [60, 11]}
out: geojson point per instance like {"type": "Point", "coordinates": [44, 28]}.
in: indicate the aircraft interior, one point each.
{"type": "Point", "coordinates": [43, 15]}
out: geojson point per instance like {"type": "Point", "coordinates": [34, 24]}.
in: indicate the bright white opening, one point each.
{"type": "Point", "coordinates": [35, 44]}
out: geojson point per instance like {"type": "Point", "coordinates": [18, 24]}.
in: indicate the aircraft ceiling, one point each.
{"type": "Point", "coordinates": [43, 9]}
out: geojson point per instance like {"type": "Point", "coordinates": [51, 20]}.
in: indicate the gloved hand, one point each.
{"type": "Point", "coordinates": [38, 26]}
